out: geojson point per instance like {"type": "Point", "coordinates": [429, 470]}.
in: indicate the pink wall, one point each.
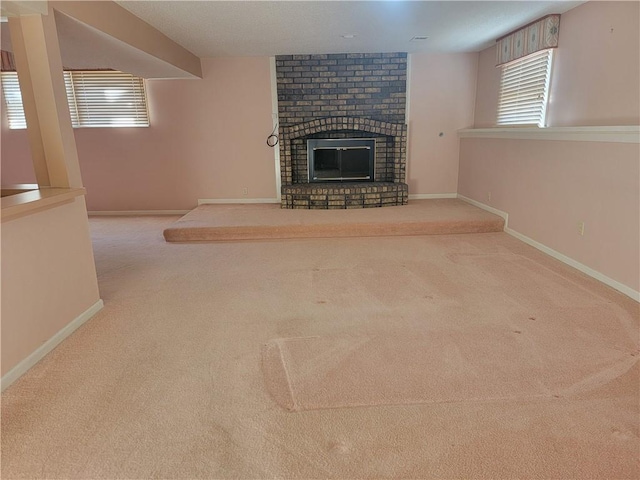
{"type": "Point", "coordinates": [206, 140]}
{"type": "Point", "coordinates": [487, 90]}
{"type": "Point", "coordinates": [48, 277]}
{"type": "Point", "coordinates": [442, 92]}
{"type": "Point", "coordinates": [15, 155]}
{"type": "Point", "coordinates": [595, 78]}
{"type": "Point", "coordinates": [547, 187]}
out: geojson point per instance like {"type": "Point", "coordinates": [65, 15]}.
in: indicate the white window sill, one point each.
{"type": "Point", "coordinates": [614, 134]}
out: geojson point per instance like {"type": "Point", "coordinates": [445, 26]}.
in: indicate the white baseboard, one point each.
{"type": "Point", "coordinates": [22, 367]}
{"type": "Point", "coordinates": [495, 211]}
{"type": "Point", "coordinates": [628, 291]}
{"type": "Point", "coordinates": [212, 201]}
{"type": "Point", "coordinates": [123, 213]}
{"type": "Point", "coordinates": [429, 196]}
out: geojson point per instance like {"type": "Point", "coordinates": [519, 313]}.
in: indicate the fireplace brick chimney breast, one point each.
{"type": "Point", "coordinates": [351, 95]}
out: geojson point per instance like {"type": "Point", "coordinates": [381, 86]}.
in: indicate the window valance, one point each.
{"type": "Point", "coordinates": [539, 35]}
{"type": "Point", "coordinates": [8, 63]}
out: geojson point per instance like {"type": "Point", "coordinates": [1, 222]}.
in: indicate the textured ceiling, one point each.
{"type": "Point", "coordinates": [265, 28]}
{"type": "Point", "coordinates": [248, 28]}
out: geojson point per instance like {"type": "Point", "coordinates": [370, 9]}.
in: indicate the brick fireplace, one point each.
{"type": "Point", "coordinates": [343, 96]}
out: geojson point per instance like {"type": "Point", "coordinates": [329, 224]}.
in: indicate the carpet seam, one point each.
{"type": "Point", "coordinates": [287, 377]}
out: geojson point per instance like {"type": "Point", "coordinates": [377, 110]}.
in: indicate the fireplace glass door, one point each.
{"type": "Point", "coordinates": [339, 160]}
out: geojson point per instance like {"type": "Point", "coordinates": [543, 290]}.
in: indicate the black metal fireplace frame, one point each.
{"type": "Point", "coordinates": [341, 144]}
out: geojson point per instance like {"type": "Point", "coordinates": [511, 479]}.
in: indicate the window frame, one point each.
{"type": "Point", "coordinates": [520, 80]}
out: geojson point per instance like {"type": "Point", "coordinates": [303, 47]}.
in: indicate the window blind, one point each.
{"type": "Point", "coordinates": [107, 99]}
{"type": "Point", "coordinates": [96, 99]}
{"type": "Point", "coordinates": [524, 88]}
{"type": "Point", "coordinates": [13, 100]}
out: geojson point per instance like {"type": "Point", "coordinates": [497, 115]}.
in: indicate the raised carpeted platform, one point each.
{"type": "Point", "coordinates": [210, 223]}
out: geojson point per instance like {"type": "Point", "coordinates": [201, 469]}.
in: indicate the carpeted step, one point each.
{"type": "Point", "coordinates": [211, 223]}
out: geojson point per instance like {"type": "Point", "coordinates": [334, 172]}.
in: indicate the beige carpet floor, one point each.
{"type": "Point", "coordinates": [169, 379]}
{"type": "Point", "coordinates": [210, 223]}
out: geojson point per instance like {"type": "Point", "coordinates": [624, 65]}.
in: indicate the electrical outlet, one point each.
{"type": "Point", "coordinates": [488, 196]}
{"type": "Point", "coordinates": [245, 191]}
{"type": "Point", "coordinates": [580, 228]}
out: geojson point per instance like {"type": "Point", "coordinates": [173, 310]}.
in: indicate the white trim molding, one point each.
{"type": "Point", "coordinates": [22, 367]}
{"type": "Point", "coordinates": [628, 291]}
{"type": "Point", "coordinates": [407, 119]}
{"type": "Point", "coordinates": [407, 106]}
{"type": "Point", "coordinates": [123, 213]}
{"type": "Point", "coordinates": [483, 206]}
{"type": "Point", "coordinates": [275, 123]}
{"type": "Point", "coordinates": [614, 134]}
{"type": "Point", "coordinates": [213, 201]}
{"type": "Point", "coordinates": [431, 196]}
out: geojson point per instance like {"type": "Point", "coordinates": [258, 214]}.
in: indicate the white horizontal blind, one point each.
{"type": "Point", "coordinates": [13, 100]}
{"type": "Point", "coordinates": [109, 99]}
{"type": "Point", "coordinates": [96, 99]}
{"type": "Point", "coordinates": [524, 88]}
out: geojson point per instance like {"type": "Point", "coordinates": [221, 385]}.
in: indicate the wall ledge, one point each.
{"type": "Point", "coordinates": [134, 213]}
{"type": "Point", "coordinates": [612, 134]}
{"type": "Point", "coordinates": [214, 201]}
{"type": "Point", "coordinates": [28, 203]}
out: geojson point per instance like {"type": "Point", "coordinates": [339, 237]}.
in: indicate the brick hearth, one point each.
{"type": "Point", "coordinates": [344, 195]}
